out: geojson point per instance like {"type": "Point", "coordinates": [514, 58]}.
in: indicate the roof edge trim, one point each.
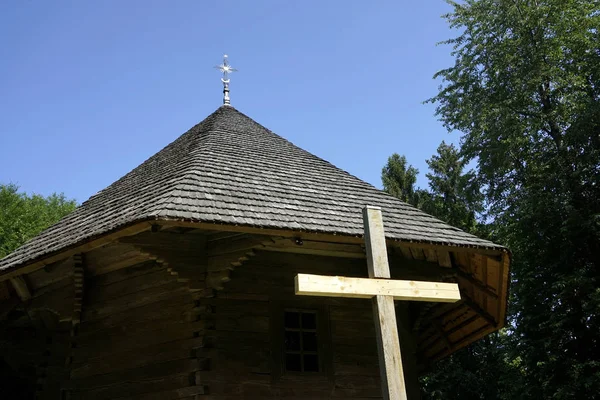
{"type": "Point", "coordinates": [142, 225]}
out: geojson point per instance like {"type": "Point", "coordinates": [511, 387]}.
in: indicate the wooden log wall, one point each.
{"type": "Point", "coordinates": [243, 347]}
{"type": "Point", "coordinates": [34, 359]}
{"type": "Point", "coordinates": [35, 334]}
{"type": "Point", "coordinates": [147, 323]}
{"type": "Point", "coordinates": [138, 336]}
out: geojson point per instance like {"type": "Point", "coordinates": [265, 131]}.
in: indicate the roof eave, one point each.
{"type": "Point", "coordinates": [140, 225]}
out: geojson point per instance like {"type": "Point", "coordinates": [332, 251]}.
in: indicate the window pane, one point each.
{"type": "Point", "coordinates": [309, 321]}
{"type": "Point", "coordinates": [292, 319]}
{"type": "Point", "coordinates": [309, 341]}
{"type": "Point", "coordinates": [292, 362]}
{"type": "Point", "coordinates": [311, 363]}
{"type": "Point", "coordinates": [292, 341]}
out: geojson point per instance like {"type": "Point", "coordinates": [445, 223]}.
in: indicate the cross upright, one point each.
{"type": "Point", "coordinates": [383, 291]}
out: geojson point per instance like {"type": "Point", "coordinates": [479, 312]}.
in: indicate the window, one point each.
{"type": "Point", "coordinates": [301, 341]}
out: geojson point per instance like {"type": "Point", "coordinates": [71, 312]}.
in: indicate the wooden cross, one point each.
{"type": "Point", "coordinates": [383, 291]}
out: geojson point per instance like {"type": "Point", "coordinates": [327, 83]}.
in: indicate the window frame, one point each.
{"type": "Point", "coordinates": [301, 330]}
{"type": "Point", "coordinates": [278, 330]}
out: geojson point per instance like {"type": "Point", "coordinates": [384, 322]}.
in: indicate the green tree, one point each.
{"type": "Point", "coordinates": [22, 216]}
{"type": "Point", "coordinates": [454, 195]}
{"type": "Point", "coordinates": [481, 371]}
{"type": "Point", "coordinates": [525, 92]}
{"type": "Point", "coordinates": [399, 179]}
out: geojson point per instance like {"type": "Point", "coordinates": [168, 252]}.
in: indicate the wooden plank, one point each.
{"type": "Point", "coordinates": [4, 293]}
{"type": "Point", "coordinates": [151, 313]}
{"type": "Point", "coordinates": [136, 358]}
{"type": "Point", "coordinates": [150, 371]}
{"type": "Point", "coordinates": [475, 283]}
{"type": "Point", "coordinates": [60, 300]}
{"type": "Point", "coordinates": [438, 327]}
{"type": "Point", "coordinates": [354, 329]}
{"type": "Point", "coordinates": [212, 236]}
{"type": "Point", "coordinates": [49, 275]}
{"type": "Point", "coordinates": [127, 262]}
{"type": "Point", "coordinates": [109, 254]}
{"type": "Point", "coordinates": [79, 286]}
{"type": "Point", "coordinates": [128, 273]}
{"type": "Point", "coordinates": [393, 386]}
{"type": "Point", "coordinates": [136, 283]}
{"type": "Point", "coordinates": [417, 253]}
{"type": "Point", "coordinates": [444, 258]}
{"type": "Point", "coordinates": [365, 288]}
{"type": "Point", "coordinates": [475, 262]}
{"type": "Point", "coordinates": [133, 300]}
{"type": "Point", "coordinates": [155, 337]}
{"type": "Point", "coordinates": [485, 280]}
{"type": "Point", "coordinates": [477, 334]}
{"type": "Point", "coordinates": [229, 260]}
{"type": "Point", "coordinates": [431, 255]}
{"type": "Point", "coordinates": [240, 244]}
{"type": "Point", "coordinates": [377, 257]}
{"type": "Point", "coordinates": [477, 309]}
{"type": "Point", "coordinates": [461, 325]}
{"type": "Point", "coordinates": [142, 226]}
{"type": "Point", "coordinates": [300, 246]}
{"type": "Point", "coordinates": [167, 241]}
{"type": "Point", "coordinates": [414, 270]}
{"type": "Point", "coordinates": [136, 387]}
{"type": "Point", "coordinates": [41, 262]}
{"type": "Point", "coordinates": [188, 393]}
{"type": "Point", "coordinates": [21, 288]}
{"type": "Point", "coordinates": [326, 237]}
{"type": "Point", "coordinates": [128, 330]}
{"type": "Point", "coordinates": [405, 252]}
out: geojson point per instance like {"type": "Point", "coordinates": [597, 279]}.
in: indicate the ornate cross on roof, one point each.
{"type": "Point", "coordinates": [225, 68]}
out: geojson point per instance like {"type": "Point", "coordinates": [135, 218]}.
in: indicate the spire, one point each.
{"type": "Point", "coordinates": [225, 68]}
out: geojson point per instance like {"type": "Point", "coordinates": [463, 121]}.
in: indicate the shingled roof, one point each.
{"type": "Point", "coordinates": [231, 170]}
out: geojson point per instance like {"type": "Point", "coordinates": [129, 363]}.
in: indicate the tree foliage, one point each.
{"type": "Point", "coordinates": [23, 216]}
{"type": "Point", "coordinates": [525, 93]}
{"type": "Point", "coordinates": [399, 179]}
{"type": "Point", "coordinates": [454, 195]}
{"type": "Point", "coordinates": [483, 370]}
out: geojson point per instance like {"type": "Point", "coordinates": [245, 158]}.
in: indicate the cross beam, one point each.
{"type": "Point", "coordinates": [366, 288]}
{"type": "Point", "coordinates": [383, 291]}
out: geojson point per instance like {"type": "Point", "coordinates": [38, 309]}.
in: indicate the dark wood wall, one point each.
{"type": "Point", "coordinates": [247, 333]}
{"type": "Point", "coordinates": [145, 335]}
{"type": "Point", "coordinates": [137, 337]}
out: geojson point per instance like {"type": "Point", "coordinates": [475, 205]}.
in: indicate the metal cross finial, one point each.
{"type": "Point", "coordinates": [225, 68]}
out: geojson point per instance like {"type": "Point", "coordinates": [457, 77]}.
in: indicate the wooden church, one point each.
{"type": "Point", "coordinates": [180, 281]}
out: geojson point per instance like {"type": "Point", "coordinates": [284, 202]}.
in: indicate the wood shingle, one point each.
{"type": "Point", "coordinates": [230, 170]}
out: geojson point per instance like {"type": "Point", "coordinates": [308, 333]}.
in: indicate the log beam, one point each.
{"type": "Point", "coordinates": [365, 288]}
{"type": "Point", "coordinates": [438, 327]}
{"type": "Point", "coordinates": [476, 284]}
{"type": "Point", "coordinates": [20, 286]}
{"type": "Point", "coordinates": [478, 310]}
{"type": "Point", "coordinates": [301, 246]}
{"type": "Point", "coordinates": [78, 283]}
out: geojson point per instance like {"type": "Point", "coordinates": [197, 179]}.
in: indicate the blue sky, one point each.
{"type": "Point", "coordinates": [89, 90]}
